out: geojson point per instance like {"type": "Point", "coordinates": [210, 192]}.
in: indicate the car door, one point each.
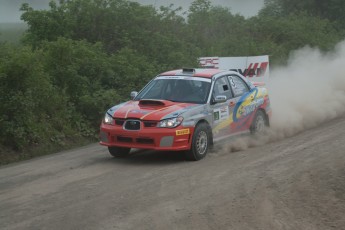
{"type": "Point", "coordinates": [244, 97]}
{"type": "Point", "coordinates": [222, 111]}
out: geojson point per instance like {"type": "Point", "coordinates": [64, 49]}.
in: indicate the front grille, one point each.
{"type": "Point", "coordinates": [119, 121]}
{"type": "Point", "coordinates": [132, 125]}
{"type": "Point", "coordinates": [150, 124]}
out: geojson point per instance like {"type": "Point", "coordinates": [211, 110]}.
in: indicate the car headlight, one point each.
{"type": "Point", "coordinates": [108, 119]}
{"type": "Point", "coordinates": [170, 123]}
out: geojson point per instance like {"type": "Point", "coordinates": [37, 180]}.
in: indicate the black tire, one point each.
{"type": "Point", "coordinates": [200, 143]}
{"type": "Point", "coordinates": [119, 151]}
{"type": "Point", "coordinates": [260, 123]}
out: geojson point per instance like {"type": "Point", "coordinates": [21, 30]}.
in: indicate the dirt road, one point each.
{"type": "Point", "coordinates": [295, 183]}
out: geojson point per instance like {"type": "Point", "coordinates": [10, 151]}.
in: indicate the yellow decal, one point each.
{"type": "Point", "coordinates": [182, 132]}
{"type": "Point", "coordinates": [223, 124]}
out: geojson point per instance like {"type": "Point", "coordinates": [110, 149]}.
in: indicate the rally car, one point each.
{"type": "Point", "coordinates": [186, 110]}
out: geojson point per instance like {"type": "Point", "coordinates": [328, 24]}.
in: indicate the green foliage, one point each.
{"type": "Point", "coordinates": [332, 10]}
{"type": "Point", "coordinates": [44, 25]}
{"type": "Point", "coordinates": [80, 57]}
{"type": "Point", "coordinates": [219, 32]}
{"type": "Point", "coordinates": [76, 67]}
{"type": "Point", "coordinates": [31, 108]}
{"type": "Point", "coordinates": [292, 32]}
{"type": "Point", "coordinates": [294, 24]}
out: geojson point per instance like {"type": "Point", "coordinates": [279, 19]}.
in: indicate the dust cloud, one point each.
{"type": "Point", "coordinates": [307, 92]}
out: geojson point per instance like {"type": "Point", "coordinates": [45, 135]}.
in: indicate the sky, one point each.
{"type": "Point", "coordinates": [246, 8]}
{"type": "Point", "coordinates": [9, 9]}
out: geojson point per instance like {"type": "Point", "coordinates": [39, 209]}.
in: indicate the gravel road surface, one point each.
{"type": "Point", "coordinates": [295, 183]}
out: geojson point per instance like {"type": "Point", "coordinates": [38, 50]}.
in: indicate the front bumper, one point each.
{"type": "Point", "coordinates": [164, 139]}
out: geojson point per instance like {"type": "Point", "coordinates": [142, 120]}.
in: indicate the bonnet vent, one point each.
{"type": "Point", "coordinates": [151, 102]}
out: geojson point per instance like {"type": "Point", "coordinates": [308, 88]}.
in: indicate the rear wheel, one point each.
{"type": "Point", "coordinates": [119, 151]}
{"type": "Point", "coordinates": [200, 143]}
{"type": "Point", "coordinates": [260, 123]}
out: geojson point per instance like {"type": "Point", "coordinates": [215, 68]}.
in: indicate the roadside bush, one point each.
{"type": "Point", "coordinates": [31, 108]}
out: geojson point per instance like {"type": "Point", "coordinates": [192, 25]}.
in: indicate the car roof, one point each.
{"type": "Point", "coordinates": [206, 73]}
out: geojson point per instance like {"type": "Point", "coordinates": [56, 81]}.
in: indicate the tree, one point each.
{"type": "Point", "coordinates": [217, 32]}
{"type": "Point", "coordinates": [44, 25]}
{"type": "Point", "coordinates": [332, 10]}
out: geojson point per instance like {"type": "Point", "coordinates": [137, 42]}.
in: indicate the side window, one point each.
{"type": "Point", "coordinates": [238, 86]}
{"type": "Point", "coordinates": [221, 87]}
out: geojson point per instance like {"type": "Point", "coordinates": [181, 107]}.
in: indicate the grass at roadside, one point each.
{"type": "Point", "coordinates": [8, 155]}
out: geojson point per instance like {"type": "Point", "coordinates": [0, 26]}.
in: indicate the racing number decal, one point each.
{"type": "Point", "coordinates": [221, 114]}
{"type": "Point", "coordinates": [216, 115]}
{"type": "Point", "coordinates": [233, 84]}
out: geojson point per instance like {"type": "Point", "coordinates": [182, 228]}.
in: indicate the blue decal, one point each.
{"type": "Point", "coordinates": [243, 99]}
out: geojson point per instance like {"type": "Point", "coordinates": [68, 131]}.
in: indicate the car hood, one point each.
{"type": "Point", "coordinates": [152, 110]}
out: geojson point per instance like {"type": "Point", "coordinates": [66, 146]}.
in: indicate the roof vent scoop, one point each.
{"type": "Point", "coordinates": [188, 71]}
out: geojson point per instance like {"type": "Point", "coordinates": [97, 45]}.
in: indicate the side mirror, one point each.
{"type": "Point", "coordinates": [134, 94]}
{"type": "Point", "coordinates": [219, 99]}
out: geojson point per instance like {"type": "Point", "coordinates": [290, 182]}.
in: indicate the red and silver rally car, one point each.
{"type": "Point", "coordinates": [186, 110]}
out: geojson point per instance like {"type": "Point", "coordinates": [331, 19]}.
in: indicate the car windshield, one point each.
{"type": "Point", "coordinates": [177, 89]}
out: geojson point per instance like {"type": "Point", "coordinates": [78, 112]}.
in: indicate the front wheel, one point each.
{"type": "Point", "coordinates": [200, 143]}
{"type": "Point", "coordinates": [119, 151]}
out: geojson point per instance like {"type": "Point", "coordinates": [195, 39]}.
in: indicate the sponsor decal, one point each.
{"type": "Point", "coordinates": [222, 124]}
{"type": "Point", "coordinates": [224, 112]}
{"type": "Point", "coordinates": [243, 110]}
{"type": "Point", "coordinates": [251, 108]}
{"type": "Point", "coordinates": [224, 120]}
{"type": "Point", "coordinates": [209, 62]}
{"type": "Point", "coordinates": [182, 132]}
{"type": "Point", "coordinates": [221, 114]}
{"type": "Point", "coordinates": [224, 109]}
{"type": "Point", "coordinates": [244, 101]}
{"type": "Point", "coordinates": [253, 70]}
